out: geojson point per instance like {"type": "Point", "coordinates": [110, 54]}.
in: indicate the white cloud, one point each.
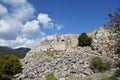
{"type": "Point", "coordinates": [15, 2]}
{"type": "Point", "coordinates": [11, 24]}
{"type": "Point", "coordinates": [45, 20]}
{"type": "Point", "coordinates": [9, 29]}
{"type": "Point", "coordinates": [25, 42]}
{"type": "Point", "coordinates": [21, 9]}
{"type": "Point", "coordinates": [32, 29]}
{"type": "Point", "coordinates": [24, 12]}
{"type": "Point", "coordinates": [18, 29]}
{"type": "Point", "coordinates": [59, 27]}
{"type": "Point", "coordinates": [3, 10]}
{"type": "Point", "coordinates": [19, 42]}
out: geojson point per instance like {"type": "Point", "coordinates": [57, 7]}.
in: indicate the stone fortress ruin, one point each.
{"type": "Point", "coordinates": [58, 43]}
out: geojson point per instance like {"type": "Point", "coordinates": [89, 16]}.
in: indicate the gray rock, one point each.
{"type": "Point", "coordinates": [62, 79]}
{"type": "Point", "coordinates": [86, 72]}
{"type": "Point", "coordinates": [31, 75]}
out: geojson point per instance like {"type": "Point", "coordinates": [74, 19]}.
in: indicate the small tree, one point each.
{"type": "Point", "coordinates": [9, 66]}
{"type": "Point", "coordinates": [84, 40]}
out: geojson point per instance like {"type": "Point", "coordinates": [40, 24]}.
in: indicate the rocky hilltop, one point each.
{"type": "Point", "coordinates": [105, 39]}
{"type": "Point", "coordinates": [62, 57]}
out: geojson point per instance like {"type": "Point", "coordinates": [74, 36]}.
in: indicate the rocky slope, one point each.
{"type": "Point", "coordinates": [62, 57]}
{"type": "Point", "coordinates": [105, 39]}
{"type": "Point", "coordinates": [62, 64]}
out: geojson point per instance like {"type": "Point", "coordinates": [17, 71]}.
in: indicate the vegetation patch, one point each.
{"type": "Point", "coordinates": [117, 73]}
{"type": "Point", "coordinates": [53, 55]}
{"type": "Point", "coordinates": [50, 54]}
{"type": "Point", "coordinates": [9, 66]}
{"type": "Point", "coordinates": [97, 65]}
{"type": "Point", "coordinates": [50, 77]}
{"type": "Point", "coordinates": [99, 76]}
{"type": "Point", "coordinates": [84, 40]}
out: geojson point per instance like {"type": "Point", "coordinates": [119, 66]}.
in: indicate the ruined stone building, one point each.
{"type": "Point", "coordinates": [58, 43]}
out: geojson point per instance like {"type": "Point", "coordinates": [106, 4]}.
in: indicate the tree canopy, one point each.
{"type": "Point", "coordinates": [9, 66]}
{"type": "Point", "coordinates": [84, 40]}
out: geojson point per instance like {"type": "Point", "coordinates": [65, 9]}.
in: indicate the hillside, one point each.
{"type": "Point", "coordinates": [62, 57]}
{"type": "Point", "coordinates": [23, 49]}
{"type": "Point", "coordinates": [19, 52]}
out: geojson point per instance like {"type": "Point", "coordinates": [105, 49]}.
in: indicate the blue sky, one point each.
{"type": "Point", "coordinates": [23, 23]}
{"type": "Point", "coordinates": [77, 15]}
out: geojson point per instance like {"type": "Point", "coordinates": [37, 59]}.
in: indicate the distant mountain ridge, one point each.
{"type": "Point", "coordinates": [23, 49]}
{"type": "Point", "coordinates": [19, 52]}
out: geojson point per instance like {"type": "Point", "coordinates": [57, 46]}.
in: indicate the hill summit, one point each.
{"type": "Point", "coordinates": [63, 57]}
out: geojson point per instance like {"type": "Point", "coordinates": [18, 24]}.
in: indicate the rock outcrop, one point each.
{"type": "Point", "coordinates": [62, 57]}
{"type": "Point", "coordinates": [105, 39]}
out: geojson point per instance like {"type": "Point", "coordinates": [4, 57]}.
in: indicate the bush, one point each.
{"type": "Point", "coordinates": [89, 78]}
{"type": "Point", "coordinates": [113, 78]}
{"type": "Point", "coordinates": [9, 66]}
{"type": "Point", "coordinates": [5, 77]}
{"type": "Point", "coordinates": [98, 65]}
{"type": "Point", "coordinates": [50, 77]}
{"type": "Point", "coordinates": [117, 73]}
{"type": "Point", "coordinates": [84, 40]}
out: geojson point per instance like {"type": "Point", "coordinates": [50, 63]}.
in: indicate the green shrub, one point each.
{"type": "Point", "coordinates": [105, 77]}
{"type": "Point", "coordinates": [9, 66]}
{"type": "Point", "coordinates": [84, 40]}
{"type": "Point", "coordinates": [113, 77]}
{"type": "Point", "coordinates": [50, 77]}
{"type": "Point", "coordinates": [117, 73]}
{"type": "Point", "coordinates": [5, 77]}
{"type": "Point", "coordinates": [89, 78]}
{"type": "Point", "coordinates": [50, 54]}
{"type": "Point", "coordinates": [98, 65]}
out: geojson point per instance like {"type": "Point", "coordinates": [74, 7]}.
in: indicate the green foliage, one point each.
{"type": "Point", "coordinates": [98, 65]}
{"type": "Point", "coordinates": [105, 77]}
{"type": "Point", "coordinates": [53, 55]}
{"type": "Point", "coordinates": [113, 77]}
{"type": "Point", "coordinates": [50, 54]}
{"type": "Point", "coordinates": [5, 77]}
{"type": "Point", "coordinates": [117, 73]}
{"type": "Point", "coordinates": [9, 66]}
{"type": "Point", "coordinates": [84, 40]}
{"type": "Point", "coordinates": [89, 78]}
{"type": "Point", "coordinates": [50, 77]}
{"type": "Point", "coordinates": [97, 76]}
